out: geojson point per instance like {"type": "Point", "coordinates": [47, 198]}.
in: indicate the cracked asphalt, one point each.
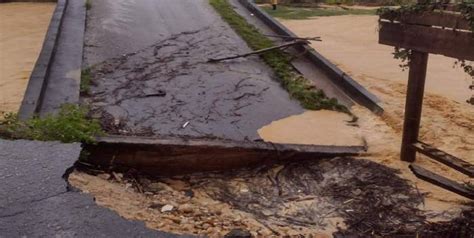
{"type": "Point", "coordinates": [150, 74]}
{"type": "Point", "coordinates": [36, 201]}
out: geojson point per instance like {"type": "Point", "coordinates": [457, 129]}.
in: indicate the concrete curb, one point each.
{"type": "Point", "coordinates": [38, 80]}
{"type": "Point", "coordinates": [178, 155]}
{"type": "Point", "coordinates": [351, 87]}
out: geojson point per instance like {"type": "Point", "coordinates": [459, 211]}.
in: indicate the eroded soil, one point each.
{"type": "Point", "coordinates": [447, 121]}
{"type": "Point", "coordinates": [312, 197]}
{"type": "Point", "coordinates": [375, 195]}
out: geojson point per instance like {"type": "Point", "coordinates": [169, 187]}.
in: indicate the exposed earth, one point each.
{"type": "Point", "coordinates": [375, 195]}
{"type": "Point", "coordinates": [150, 76]}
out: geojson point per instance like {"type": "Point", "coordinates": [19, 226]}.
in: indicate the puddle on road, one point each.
{"type": "Point", "coordinates": [322, 127]}
{"type": "Point", "coordinates": [23, 27]}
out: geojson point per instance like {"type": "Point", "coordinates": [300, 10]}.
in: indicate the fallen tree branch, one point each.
{"type": "Point", "coordinates": [316, 38]}
{"type": "Point", "coordinates": [298, 42]}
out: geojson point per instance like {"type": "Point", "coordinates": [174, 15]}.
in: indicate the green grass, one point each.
{"type": "Point", "coordinates": [85, 81]}
{"type": "Point", "coordinates": [297, 86]}
{"type": "Point", "coordinates": [88, 4]}
{"type": "Point", "coordinates": [285, 12]}
{"type": "Point", "coordinates": [69, 125]}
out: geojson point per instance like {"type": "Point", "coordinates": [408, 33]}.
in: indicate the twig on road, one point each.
{"type": "Point", "coordinates": [298, 42]}
{"type": "Point", "coordinates": [316, 38]}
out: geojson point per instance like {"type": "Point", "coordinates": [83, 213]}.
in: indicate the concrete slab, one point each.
{"type": "Point", "coordinates": [36, 201]}
{"type": "Point", "coordinates": [65, 73]}
{"type": "Point", "coordinates": [156, 80]}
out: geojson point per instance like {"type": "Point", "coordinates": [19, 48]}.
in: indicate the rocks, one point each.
{"type": "Point", "coordinates": [167, 208]}
{"type": "Point", "coordinates": [238, 233]}
{"type": "Point", "coordinates": [357, 192]}
{"type": "Point", "coordinates": [157, 187]}
{"type": "Point", "coordinates": [185, 208]}
{"type": "Point", "coordinates": [104, 176]}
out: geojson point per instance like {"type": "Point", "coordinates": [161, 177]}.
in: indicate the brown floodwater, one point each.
{"type": "Point", "coordinates": [313, 128]}
{"type": "Point", "coordinates": [351, 42]}
{"type": "Point", "coordinates": [23, 27]}
{"type": "Point", "coordinates": [447, 122]}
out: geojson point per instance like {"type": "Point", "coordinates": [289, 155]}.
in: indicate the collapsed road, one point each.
{"type": "Point", "coordinates": [150, 74]}
{"type": "Point", "coordinates": [37, 201]}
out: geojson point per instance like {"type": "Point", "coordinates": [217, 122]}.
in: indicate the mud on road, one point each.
{"type": "Point", "coordinates": [169, 88]}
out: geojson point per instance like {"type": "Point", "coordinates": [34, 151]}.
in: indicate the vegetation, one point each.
{"type": "Point", "coordinates": [304, 13]}
{"type": "Point", "coordinates": [88, 4]}
{"type": "Point", "coordinates": [466, 8]}
{"type": "Point", "coordinates": [85, 81]}
{"type": "Point", "coordinates": [297, 86]}
{"type": "Point", "coordinates": [69, 125]}
{"type": "Point", "coordinates": [312, 3]}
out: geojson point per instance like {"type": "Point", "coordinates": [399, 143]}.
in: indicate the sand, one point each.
{"type": "Point", "coordinates": [23, 27]}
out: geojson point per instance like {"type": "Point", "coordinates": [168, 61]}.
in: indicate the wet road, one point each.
{"type": "Point", "coordinates": [36, 201]}
{"type": "Point", "coordinates": [151, 76]}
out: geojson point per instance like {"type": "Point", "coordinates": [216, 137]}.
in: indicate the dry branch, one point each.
{"type": "Point", "coordinates": [316, 38]}
{"type": "Point", "coordinates": [298, 42]}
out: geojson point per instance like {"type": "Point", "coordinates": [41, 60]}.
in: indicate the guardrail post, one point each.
{"type": "Point", "coordinates": [413, 104]}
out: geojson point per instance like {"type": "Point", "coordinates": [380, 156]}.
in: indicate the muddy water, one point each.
{"type": "Point", "coordinates": [351, 42]}
{"type": "Point", "coordinates": [22, 30]}
{"type": "Point", "coordinates": [313, 127]}
{"type": "Point", "coordinates": [447, 122]}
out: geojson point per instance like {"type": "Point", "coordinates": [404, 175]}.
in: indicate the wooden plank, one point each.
{"type": "Point", "coordinates": [441, 181]}
{"type": "Point", "coordinates": [413, 104]}
{"type": "Point", "coordinates": [441, 19]}
{"type": "Point", "coordinates": [459, 45]}
{"type": "Point", "coordinates": [177, 155]}
{"type": "Point", "coordinates": [445, 158]}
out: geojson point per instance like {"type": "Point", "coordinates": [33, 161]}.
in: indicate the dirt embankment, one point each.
{"type": "Point", "coordinates": [23, 27]}
{"type": "Point", "coordinates": [304, 198]}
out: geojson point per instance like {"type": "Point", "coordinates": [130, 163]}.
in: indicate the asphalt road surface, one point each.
{"type": "Point", "coordinates": [36, 200]}
{"type": "Point", "coordinates": [151, 76]}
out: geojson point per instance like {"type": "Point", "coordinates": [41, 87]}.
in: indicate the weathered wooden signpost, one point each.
{"type": "Point", "coordinates": [424, 31]}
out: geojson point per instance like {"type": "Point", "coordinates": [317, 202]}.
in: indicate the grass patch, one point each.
{"type": "Point", "coordinates": [297, 86]}
{"type": "Point", "coordinates": [69, 125]}
{"type": "Point", "coordinates": [85, 81]}
{"type": "Point", "coordinates": [88, 4]}
{"type": "Point", "coordinates": [285, 12]}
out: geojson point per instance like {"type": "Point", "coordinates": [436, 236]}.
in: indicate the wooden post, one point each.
{"type": "Point", "coordinates": [413, 104]}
